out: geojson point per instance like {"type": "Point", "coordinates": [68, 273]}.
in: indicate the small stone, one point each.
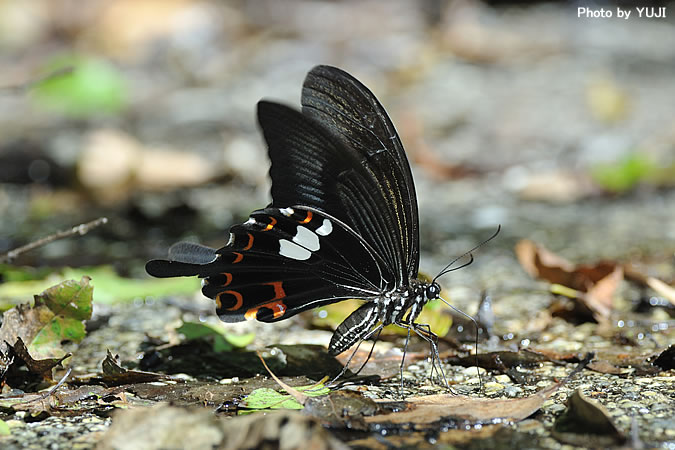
{"type": "Point", "coordinates": [556, 408]}
{"type": "Point", "coordinates": [512, 391]}
{"type": "Point", "coordinates": [492, 387]}
{"type": "Point", "coordinates": [502, 379]}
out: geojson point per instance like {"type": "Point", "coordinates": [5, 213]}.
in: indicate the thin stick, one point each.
{"type": "Point", "coordinates": [81, 229]}
{"type": "Point", "coordinates": [30, 84]}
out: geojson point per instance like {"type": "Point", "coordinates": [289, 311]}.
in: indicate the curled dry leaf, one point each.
{"type": "Point", "coordinates": [586, 423]}
{"type": "Point", "coordinates": [114, 374]}
{"type": "Point", "coordinates": [591, 285]}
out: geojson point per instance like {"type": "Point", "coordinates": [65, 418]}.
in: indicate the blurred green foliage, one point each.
{"type": "Point", "coordinates": [80, 87]}
{"type": "Point", "coordinates": [222, 341]}
{"type": "Point", "coordinates": [636, 168]}
{"type": "Point", "coordinates": [110, 287]}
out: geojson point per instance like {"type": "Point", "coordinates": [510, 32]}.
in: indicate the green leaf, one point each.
{"type": "Point", "coordinates": [265, 398]}
{"type": "Point", "coordinates": [84, 87]}
{"type": "Point", "coordinates": [61, 310]}
{"type": "Point", "coordinates": [70, 299]}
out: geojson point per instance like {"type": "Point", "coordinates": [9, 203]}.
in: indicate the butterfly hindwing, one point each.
{"type": "Point", "coordinates": [281, 262]}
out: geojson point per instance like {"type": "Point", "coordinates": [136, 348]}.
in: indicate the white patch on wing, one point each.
{"type": "Point", "coordinates": [250, 221]}
{"type": "Point", "coordinates": [293, 251]}
{"type": "Point", "coordinates": [307, 238]}
{"type": "Point", "coordinates": [325, 229]}
{"type": "Point", "coordinates": [288, 212]}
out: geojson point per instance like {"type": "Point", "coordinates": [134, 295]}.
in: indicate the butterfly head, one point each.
{"type": "Point", "coordinates": [433, 291]}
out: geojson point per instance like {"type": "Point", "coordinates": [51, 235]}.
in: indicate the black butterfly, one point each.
{"type": "Point", "coordinates": [342, 224]}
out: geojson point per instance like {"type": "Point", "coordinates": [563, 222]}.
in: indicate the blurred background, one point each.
{"type": "Point", "coordinates": [560, 128]}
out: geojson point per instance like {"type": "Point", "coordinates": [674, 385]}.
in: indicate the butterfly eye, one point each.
{"type": "Point", "coordinates": [433, 291]}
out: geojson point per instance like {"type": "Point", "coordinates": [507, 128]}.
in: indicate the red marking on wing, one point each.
{"type": "Point", "coordinates": [270, 225]}
{"type": "Point", "coordinates": [238, 258]}
{"type": "Point", "coordinates": [308, 218]}
{"type": "Point", "coordinates": [250, 242]}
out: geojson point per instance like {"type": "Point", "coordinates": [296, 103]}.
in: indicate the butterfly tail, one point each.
{"type": "Point", "coordinates": [185, 259]}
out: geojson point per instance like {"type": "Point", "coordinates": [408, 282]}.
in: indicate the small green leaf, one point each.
{"type": "Point", "coordinates": [60, 312]}
{"type": "Point", "coordinates": [265, 398]}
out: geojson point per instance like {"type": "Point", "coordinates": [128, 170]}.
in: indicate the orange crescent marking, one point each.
{"type": "Point", "coordinates": [238, 296]}
{"type": "Point", "coordinates": [228, 278]}
{"type": "Point", "coordinates": [250, 242]}
{"type": "Point", "coordinates": [270, 225]}
{"type": "Point", "coordinates": [308, 218]}
{"type": "Point", "coordinates": [238, 258]}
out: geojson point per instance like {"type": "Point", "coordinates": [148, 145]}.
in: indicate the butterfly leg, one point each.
{"type": "Point", "coordinates": [405, 350]}
{"type": "Point", "coordinates": [376, 332]}
{"type": "Point", "coordinates": [424, 331]}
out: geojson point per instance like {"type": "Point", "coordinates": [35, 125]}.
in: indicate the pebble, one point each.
{"type": "Point", "coordinates": [504, 379]}
{"type": "Point", "coordinates": [492, 387]}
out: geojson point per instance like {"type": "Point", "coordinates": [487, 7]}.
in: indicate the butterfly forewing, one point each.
{"type": "Point", "coordinates": [346, 107]}
{"type": "Point", "coordinates": [313, 167]}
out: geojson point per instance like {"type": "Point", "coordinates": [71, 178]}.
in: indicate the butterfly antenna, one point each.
{"type": "Point", "coordinates": [475, 324]}
{"type": "Point", "coordinates": [448, 268]}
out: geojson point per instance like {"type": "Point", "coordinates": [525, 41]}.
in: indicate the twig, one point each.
{"type": "Point", "coordinates": [30, 84]}
{"type": "Point", "coordinates": [81, 229]}
{"type": "Point", "coordinates": [58, 385]}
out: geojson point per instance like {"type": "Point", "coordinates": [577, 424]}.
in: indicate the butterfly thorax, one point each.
{"type": "Point", "coordinates": [393, 306]}
{"type": "Point", "coordinates": [398, 306]}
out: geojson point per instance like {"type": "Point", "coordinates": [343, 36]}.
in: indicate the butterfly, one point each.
{"type": "Point", "coordinates": [343, 222]}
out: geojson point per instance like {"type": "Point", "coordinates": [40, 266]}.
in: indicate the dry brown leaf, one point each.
{"type": "Point", "coordinates": [586, 423]}
{"type": "Point", "coordinates": [431, 408]}
{"type": "Point", "coordinates": [600, 296]}
{"type": "Point", "coordinates": [595, 283]}
{"type": "Point", "coordinates": [115, 375]}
